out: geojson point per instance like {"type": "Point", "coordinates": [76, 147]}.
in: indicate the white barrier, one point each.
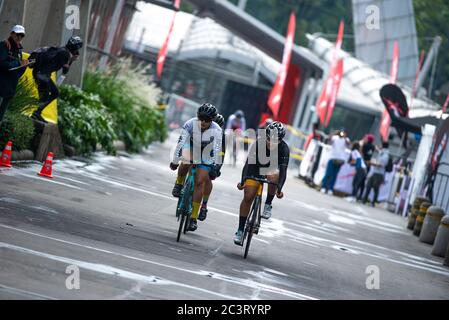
{"type": "Point", "coordinates": [346, 174]}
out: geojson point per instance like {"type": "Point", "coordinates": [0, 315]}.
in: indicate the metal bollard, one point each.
{"type": "Point", "coordinates": [430, 226]}
{"type": "Point", "coordinates": [414, 211]}
{"type": "Point", "coordinates": [420, 218]}
{"type": "Point", "coordinates": [446, 258]}
{"type": "Point", "coordinates": [442, 239]}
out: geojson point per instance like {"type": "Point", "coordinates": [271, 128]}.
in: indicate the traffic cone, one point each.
{"type": "Point", "coordinates": [47, 168]}
{"type": "Point", "coordinates": [5, 160]}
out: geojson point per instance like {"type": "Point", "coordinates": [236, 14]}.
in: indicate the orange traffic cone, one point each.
{"type": "Point", "coordinates": [5, 160]}
{"type": "Point", "coordinates": [47, 168]}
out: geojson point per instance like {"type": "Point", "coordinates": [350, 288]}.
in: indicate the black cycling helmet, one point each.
{"type": "Point", "coordinates": [276, 129]}
{"type": "Point", "coordinates": [74, 44]}
{"type": "Point", "coordinates": [220, 120]}
{"type": "Point", "coordinates": [239, 114]}
{"type": "Point", "coordinates": [207, 112]}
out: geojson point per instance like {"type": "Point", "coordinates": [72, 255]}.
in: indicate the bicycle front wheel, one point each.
{"type": "Point", "coordinates": [252, 224]}
{"type": "Point", "coordinates": [181, 225]}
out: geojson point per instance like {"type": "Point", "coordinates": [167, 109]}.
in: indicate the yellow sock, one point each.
{"type": "Point", "coordinates": [180, 180]}
{"type": "Point", "coordinates": [196, 210]}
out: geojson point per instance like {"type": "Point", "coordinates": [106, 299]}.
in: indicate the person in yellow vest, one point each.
{"type": "Point", "coordinates": [47, 61]}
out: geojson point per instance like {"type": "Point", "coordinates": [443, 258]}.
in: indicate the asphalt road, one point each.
{"type": "Point", "coordinates": [113, 219]}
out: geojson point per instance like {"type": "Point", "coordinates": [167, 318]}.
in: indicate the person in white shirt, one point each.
{"type": "Point", "coordinates": [339, 143]}
{"type": "Point", "coordinates": [356, 160]}
{"type": "Point", "coordinates": [378, 173]}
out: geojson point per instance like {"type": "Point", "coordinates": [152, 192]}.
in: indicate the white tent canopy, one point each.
{"type": "Point", "coordinates": [361, 84]}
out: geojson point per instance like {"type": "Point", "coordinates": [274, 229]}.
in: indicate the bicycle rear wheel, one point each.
{"type": "Point", "coordinates": [252, 224]}
{"type": "Point", "coordinates": [187, 202]}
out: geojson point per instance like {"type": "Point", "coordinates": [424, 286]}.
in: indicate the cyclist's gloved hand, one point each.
{"type": "Point", "coordinates": [173, 166]}
{"type": "Point", "coordinates": [279, 194]}
{"type": "Point", "coordinates": [213, 174]}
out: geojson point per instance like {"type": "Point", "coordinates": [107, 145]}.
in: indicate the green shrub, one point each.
{"type": "Point", "coordinates": [17, 128]}
{"type": "Point", "coordinates": [24, 100]}
{"type": "Point", "coordinates": [130, 100]}
{"type": "Point", "coordinates": [84, 121]}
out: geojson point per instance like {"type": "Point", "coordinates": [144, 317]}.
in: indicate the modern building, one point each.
{"type": "Point", "coordinates": [231, 59]}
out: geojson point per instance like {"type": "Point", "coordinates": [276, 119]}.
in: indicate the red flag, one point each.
{"type": "Point", "coordinates": [164, 49]}
{"type": "Point", "coordinates": [385, 123]}
{"type": "Point", "coordinates": [322, 102]}
{"type": "Point", "coordinates": [275, 99]}
{"type": "Point", "coordinates": [446, 103]}
{"type": "Point", "coordinates": [421, 60]}
{"type": "Point", "coordinates": [337, 76]}
{"type": "Point", "coordinates": [341, 32]}
{"type": "Point", "coordinates": [394, 64]}
{"type": "Point", "coordinates": [327, 99]}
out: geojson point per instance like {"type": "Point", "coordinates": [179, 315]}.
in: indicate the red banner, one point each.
{"type": "Point", "coordinates": [446, 103]}
{"type": "Point", "coordinates": [421, 60]}
{"type": "Point", "coordinates": [275, 98]}
{"type": "Point", "coordinates": [394, 64]}
{"type": "Point", "coordinates": [337, 76]}
{"type": "Point", "coordinates": [385, 123]}
{"type": "Point", "coordinates": [341, 32]}
{"type": "Point", "coordinates": [326, 102]}
{"type": "Point", "coordinates": [164, 49]}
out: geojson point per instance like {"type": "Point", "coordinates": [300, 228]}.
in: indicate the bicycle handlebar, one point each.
{"type": "Point", "coordinates": [261, 180]}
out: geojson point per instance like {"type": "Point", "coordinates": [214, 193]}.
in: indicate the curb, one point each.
{"type": "Point", "coordinates": [24, 155]}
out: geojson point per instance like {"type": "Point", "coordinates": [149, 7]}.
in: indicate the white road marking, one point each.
{"type": "Point", "coordinates": [112, 271]}
{"type": "Point", "coordinates": [238, 281]}
{"type": "Point", "coordinates": [24, 293]}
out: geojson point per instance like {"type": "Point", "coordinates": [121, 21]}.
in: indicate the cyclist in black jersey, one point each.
{"type": "Point", "coordinates": [268, 157]}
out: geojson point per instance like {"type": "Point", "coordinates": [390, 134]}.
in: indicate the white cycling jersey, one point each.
{"type": "Point", "coordinates": [193, 138]}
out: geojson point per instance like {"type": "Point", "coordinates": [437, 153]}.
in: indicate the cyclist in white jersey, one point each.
{"type": "Point", "coordinates": [200, 143]}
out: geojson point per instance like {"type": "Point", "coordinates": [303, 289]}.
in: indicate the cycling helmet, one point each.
{"type": "Point", "coordinates": [74, 44]}
{"type": "Point", "coordinates": [220, 120]}
{"type": "Point", "coordinates": [207, 112]}
{"type": "Point", "coordinates": [276, 129]}
{"type": "Point", "coordinates": [268, 122]}
{"type": "Point", "coordinates": [239, 114]}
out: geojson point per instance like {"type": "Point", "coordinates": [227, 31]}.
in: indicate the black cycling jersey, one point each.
{"type": "Point", "coordinates": [259, 159]}
{"type": "Point", "coordinates": [368, 151]}
{"type": "Point", "coordinates": [52, 59]}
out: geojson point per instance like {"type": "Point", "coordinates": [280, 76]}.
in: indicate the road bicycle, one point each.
{"type": "Point", "coordinates": [254, 218]}
{"type": "Point", "coordinates": [184, 207]}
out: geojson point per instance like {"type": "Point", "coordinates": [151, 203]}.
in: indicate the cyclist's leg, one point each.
{"type": "Point", "coordinates": [250, 192]}
{"type": "Point", "coordinates": [274, 178]}
{"type": "Point", "coordinates": [208, 186]}
{"type": "Point", "coordinates": [202, 176]}
{"type": "Point", "coordinates": [183, 170]}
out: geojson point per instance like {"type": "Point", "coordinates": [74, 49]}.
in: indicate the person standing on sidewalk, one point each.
{"type": "Point", "coordinates": [49, 60]}
{"type": "Point", "coordinates": [378, 173]}
{"type": "Point", "coordinates": [339, 143]}
{"type": "Point", "coordinates": [368, 149]}
{"type": "Point", "coordinates": [360, 171]}
{"type": "Point", "coordinates": [11, 58]}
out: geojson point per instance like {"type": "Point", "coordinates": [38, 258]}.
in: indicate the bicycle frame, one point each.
{"type": "Point", "coordinates": [184, 207]}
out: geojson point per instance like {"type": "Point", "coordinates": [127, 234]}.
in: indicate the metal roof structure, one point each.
{"type": "Point", "coordinates": [361, 83]}
{"type": "Point", "coordinates": [208, 39]}
{"type": "Point", "coordinates": [255, 32]}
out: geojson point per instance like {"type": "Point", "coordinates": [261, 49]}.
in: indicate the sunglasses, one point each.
{"type": "Point", "coordinates": [21, 35]}
{"type": "Point", "coordinates": [205, 120]}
